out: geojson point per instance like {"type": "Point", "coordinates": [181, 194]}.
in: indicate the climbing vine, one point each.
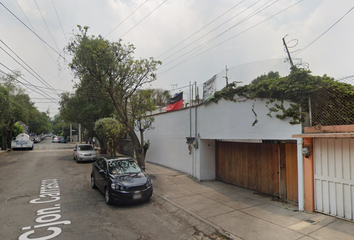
{"type": "Point", "coordinates": [295, 88]}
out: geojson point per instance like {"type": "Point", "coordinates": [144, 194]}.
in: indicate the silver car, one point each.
{"type": "Point", "coordinates": [84, 152]}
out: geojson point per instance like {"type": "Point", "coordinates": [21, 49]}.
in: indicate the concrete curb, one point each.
{"type": "Point", "coordinates": [200, 218]}
{"type": "Point", "coordinates": [5, 151]}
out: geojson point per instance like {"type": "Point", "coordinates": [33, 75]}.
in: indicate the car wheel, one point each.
{"type": "Point", "coordinates": [107, 196]}
{"type": "Point", "coordinates": [93, 184]}
{"type": "Point", "coordinates": [74, 157]}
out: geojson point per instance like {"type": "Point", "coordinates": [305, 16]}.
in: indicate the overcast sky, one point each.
{"type": "Point", "coordinates": [195, 39]}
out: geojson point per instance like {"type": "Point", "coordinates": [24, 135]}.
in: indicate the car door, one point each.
{"type": "Point", "coordinates": [99, 175]}
{"type": "Point", "coordinates": [75, 152]}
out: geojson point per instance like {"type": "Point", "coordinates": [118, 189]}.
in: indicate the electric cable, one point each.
{"type": "Point", "coordinates": [62, 29]}
{"type": "Point", "coordinates": [210, 32]}
{"type": "Point", "coordinates": [301, 50]}
{"type": "Point", "coordinates": [45, 23]}
{"type": "Point", "coordinates": [49, 98]}
{"type": "Point", "coordinates": [144, 18]}
{"type": "Point", "coordinates": [192, 57]}
{"type": "Point", "coordinates": [34, 32]}
{"type": "Point", "coordinates": [258, 10]}
{"type": "Point", "coordinates": [201, 29]}
{"type": "Point", "coordinates": [125, 18]}
{"type": "Point", "coordinates": [41, 79]}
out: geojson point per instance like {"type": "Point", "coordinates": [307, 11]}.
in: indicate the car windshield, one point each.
{"type": "Point", "coordinates": [123, 167]}
{"type": "Point", "coordinates": [85, 148]}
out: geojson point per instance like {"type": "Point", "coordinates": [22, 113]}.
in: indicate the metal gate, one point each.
{"type": "Point", "coordinates": [334, 177]}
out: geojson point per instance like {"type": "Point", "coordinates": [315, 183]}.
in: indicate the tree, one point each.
{"type": "Point", "coordinates": [109, 131]}
{"type": "Point", "coordinates": [39, 122]}
{"type": "Point", "coordinates": [18, 103]}
{"type": "Point", "coordinates": [141, 103]}
{"type": "Point", "coordinates": [17, 129]}
{"type": "Point", "coordinates": [109, 68]}
{"type": "Point", "coordinates": [160, 96]}
{"type": "Point", "coordinates": [85, 108]}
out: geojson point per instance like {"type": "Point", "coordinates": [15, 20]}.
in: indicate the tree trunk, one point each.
{"type": "Point", "coordinates": [9, 137]}
{"type": "Point", "coordinates": [3, 140]}
{"type": "Point", "coordinates": [132, 134]}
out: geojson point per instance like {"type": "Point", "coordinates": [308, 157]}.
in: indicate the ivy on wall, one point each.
{"type": "Point", "coordinates": [295, 88]}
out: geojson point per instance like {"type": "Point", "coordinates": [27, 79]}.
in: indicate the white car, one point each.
{"type": "Point", "coordinates": [84, 152]}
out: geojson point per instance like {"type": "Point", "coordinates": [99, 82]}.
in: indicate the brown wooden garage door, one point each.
{"type": "Point", "coordinates": [256, 166]}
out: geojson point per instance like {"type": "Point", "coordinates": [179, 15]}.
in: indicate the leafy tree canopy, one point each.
{"type": "Point", "coordinates": [109, 131]}
{"type": "Point", "coordinates": [109, 69]}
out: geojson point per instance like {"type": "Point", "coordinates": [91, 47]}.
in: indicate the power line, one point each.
{"type": "Point", "coordinates": [41, 79]}
{"type": "Point", "coordinates": [48, 97]}
{"type": "Point", "coordinates": [192, 57]}
{"type": "Point", "coordinates": [59, 21]}
{"type": "Point", "coordinates": [33, 32]}
{"type": "Point", "coordinates": [325, 31]}
{"type": "Point", "coordinates": [125, 18]}
{"type": "Point", "coordinates": [258, 10]}
{"type": "Point", "coordinates": [45, 23]}
{"type": "Point", "coordinates": [144, 18]}
{"type": "Point", "coordinates": [201, 28]}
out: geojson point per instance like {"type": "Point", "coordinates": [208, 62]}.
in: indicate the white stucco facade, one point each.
{"type": "Point", "coordinates": [225, 120]}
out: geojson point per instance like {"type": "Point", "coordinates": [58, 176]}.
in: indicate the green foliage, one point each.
{"type": "Point", "coordinates": [39, 122]}
{"type": "Point", "coordinates": [270, 75]}
{"type": "Point", "coordinates": [160, 96]}
{"type": "Point", "coordinates": [108, 69]}
{"type": "Point", "coordinates": [62, 128]}
{"type": "Point", "coordinates": [17, 129]}
{"type": "Point", "coordinates": [110, 131]}
{"type": "Point", "coordinates": [141, 103]}
{"type": "Point", "coordinates": [85, 108]}
{"type": "Point", "coordinates": [296, 88]}
{"type": "Point", "coordinates": [15, 105]}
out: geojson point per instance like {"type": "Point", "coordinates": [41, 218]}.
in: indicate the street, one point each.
{"type": "Point", "coordinates": [45, 194]}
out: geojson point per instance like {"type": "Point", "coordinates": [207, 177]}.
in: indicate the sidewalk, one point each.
{"type": "Point", "coordinates": [4, 151]}
{"type": "Point", "coordinates": [243, 214]}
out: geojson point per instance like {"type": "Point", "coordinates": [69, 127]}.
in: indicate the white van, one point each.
{"type": "Point", "coordinates": [22, 141]}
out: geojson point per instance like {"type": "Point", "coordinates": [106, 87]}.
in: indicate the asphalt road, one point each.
{"type": "Point", "coordinates": [45, 194]}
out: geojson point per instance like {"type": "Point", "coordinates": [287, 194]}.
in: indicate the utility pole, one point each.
{"type": "Point", "coordinates": [173, 88]}
{"type": "Point", "coordinates": [227, 79]}
{"type": "Point", "coordinates": [287, 50]}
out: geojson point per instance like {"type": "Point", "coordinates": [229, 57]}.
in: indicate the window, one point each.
{"type": "Point", "coordinates": [123, 167]}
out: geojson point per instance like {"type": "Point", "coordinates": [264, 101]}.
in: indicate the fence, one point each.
{"type": "Point", "coordinates": [332, 106]}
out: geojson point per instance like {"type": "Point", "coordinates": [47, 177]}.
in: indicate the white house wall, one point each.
{"type": "Point", "coordinates": [233, 120]}
{"type": "Point", "coordinates": [225, 120]}
{"type": "Point", "coordinates": [168, 141]}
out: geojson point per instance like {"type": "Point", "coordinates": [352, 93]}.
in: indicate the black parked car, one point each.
{"type": "Point", "coordinates": [121, 180]}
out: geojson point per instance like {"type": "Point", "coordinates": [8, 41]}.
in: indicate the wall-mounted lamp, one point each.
{"type": "Point", "coordinates": [306, 151]}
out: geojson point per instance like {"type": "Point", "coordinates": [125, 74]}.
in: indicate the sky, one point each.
{"type": "Point", "coordinates": [194, 39]}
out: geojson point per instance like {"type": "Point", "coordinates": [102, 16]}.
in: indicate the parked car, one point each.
{"type": "Point", "coordinates": [22, 141]}
{"type": "Point", "coordinates": [62, 140]}
{"type": "Point", "coordinates": [37, 140]}
{"type": "Point", "coordinates": [121, 180]}
{"type": "Point", "coordinates": [55, 140]}
{"type": "Point", "coordinates": [84, 152]}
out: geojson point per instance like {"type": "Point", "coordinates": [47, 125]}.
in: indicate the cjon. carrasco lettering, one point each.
{"type": "Point", "coordinates": [46, 217]}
